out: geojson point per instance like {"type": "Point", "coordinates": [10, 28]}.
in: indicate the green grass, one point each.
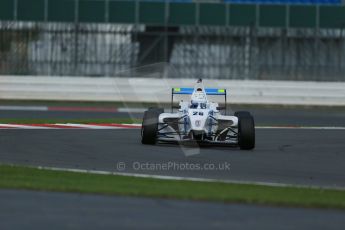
{"type": "Point", "coordinates": [64, 121]}
{"type": "Point", "coordinates": [18, 177]}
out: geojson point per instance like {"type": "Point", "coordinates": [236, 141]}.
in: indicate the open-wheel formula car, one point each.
{"type": "Point", "coordinates": [198, 120]}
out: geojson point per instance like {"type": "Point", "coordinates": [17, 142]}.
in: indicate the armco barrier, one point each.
{"type": "Point", "coordinates": [159, 90]}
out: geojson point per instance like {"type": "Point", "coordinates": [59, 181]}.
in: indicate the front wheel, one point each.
{"type": "Point", "coordinates": [149, 127]}
{"type": "Point", "coordinates": [246, 130]}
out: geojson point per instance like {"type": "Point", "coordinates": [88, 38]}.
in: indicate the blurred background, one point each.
{"type": "Point", "coordinates": [230, 39]}
{"type": "Point", "coordinates": [67, 66]}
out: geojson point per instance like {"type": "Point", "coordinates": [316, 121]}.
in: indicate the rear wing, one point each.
{"type": "Point", "coordinates": [209, 91]}
{"type": "Point", "coordinates": [189, 91]}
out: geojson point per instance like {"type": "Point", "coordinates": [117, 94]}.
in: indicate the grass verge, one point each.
{"type": "Point", "coordinates": [19, 177]}
{"type": "Point", "coordinates": [64, 121]}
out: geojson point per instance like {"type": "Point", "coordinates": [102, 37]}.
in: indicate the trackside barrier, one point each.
{"type": "Point", "coordinates": [159, 90]}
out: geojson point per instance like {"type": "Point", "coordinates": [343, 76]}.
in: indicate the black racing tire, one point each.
{"type": "Point", "coordinates": [159, 110]}
{"type": "Point", "coordinates": [149, 127]}
{"type": "Point", "coordinates": [246, 130]}
{"type": "Point", "coordinates": [242, 114]}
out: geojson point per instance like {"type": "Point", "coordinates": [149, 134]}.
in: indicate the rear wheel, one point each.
{"type": "Point", "coordinates": [158, 110]}
{"type": "Point", "coordinates": [149, 127]}
{"type": "Point", "coordinates": [246, 130]}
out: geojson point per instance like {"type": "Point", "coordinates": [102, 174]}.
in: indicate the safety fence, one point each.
{"type": "Point", "coordinates": [191, 52]}
{"type": "Point", "coordinates": [190, 40]}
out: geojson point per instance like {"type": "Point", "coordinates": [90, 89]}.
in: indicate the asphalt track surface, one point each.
{"type": "Point", "coordinates": [75, 211]}
{"type": "Point", "coordinates": [292, 156]}
{"type": "Point", "coordinates": [263, 116]}
{"type": "Point", "coordinates": [301, 157]}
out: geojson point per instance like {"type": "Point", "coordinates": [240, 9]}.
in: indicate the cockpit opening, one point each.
{"type": "Point", "coordinates": [196, 105]}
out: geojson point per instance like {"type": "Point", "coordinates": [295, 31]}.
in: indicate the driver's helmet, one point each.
{"type": "Point", "coordinates": [194, 105]}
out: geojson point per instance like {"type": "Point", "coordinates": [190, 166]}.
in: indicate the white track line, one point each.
{"type": "Point", "coordinates": [285, 127]}
{"type": "Point", "coordinates": [18, 126]}
{"type": "Point", "coordinates": [113, 126]}
{"type": "Point", "coordinates": [23, 108]}
{"type": "Point", "coordinates": [131, 110]}
{"type": "Point", "coordinates": [86, 126]}
{"type": "Point", "coordinates": [195, 179]}
{"type": "Point", "coordinates": [134, 125]}
{"type": "Point", "coordinates": [65, 126]}
{"type": "Point", "coordinates": [301, 127]}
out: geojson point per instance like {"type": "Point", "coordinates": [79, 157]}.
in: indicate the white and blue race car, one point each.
{"type": "Point", "coordinates": [198, 120]}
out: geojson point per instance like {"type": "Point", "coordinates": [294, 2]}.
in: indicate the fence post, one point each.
{"type": "Point", "coordinates": [166, 19]}
{"type": "Point", "coordinates": [15, 9]}
{"type": "Point", "coordinates": [76, 37]}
